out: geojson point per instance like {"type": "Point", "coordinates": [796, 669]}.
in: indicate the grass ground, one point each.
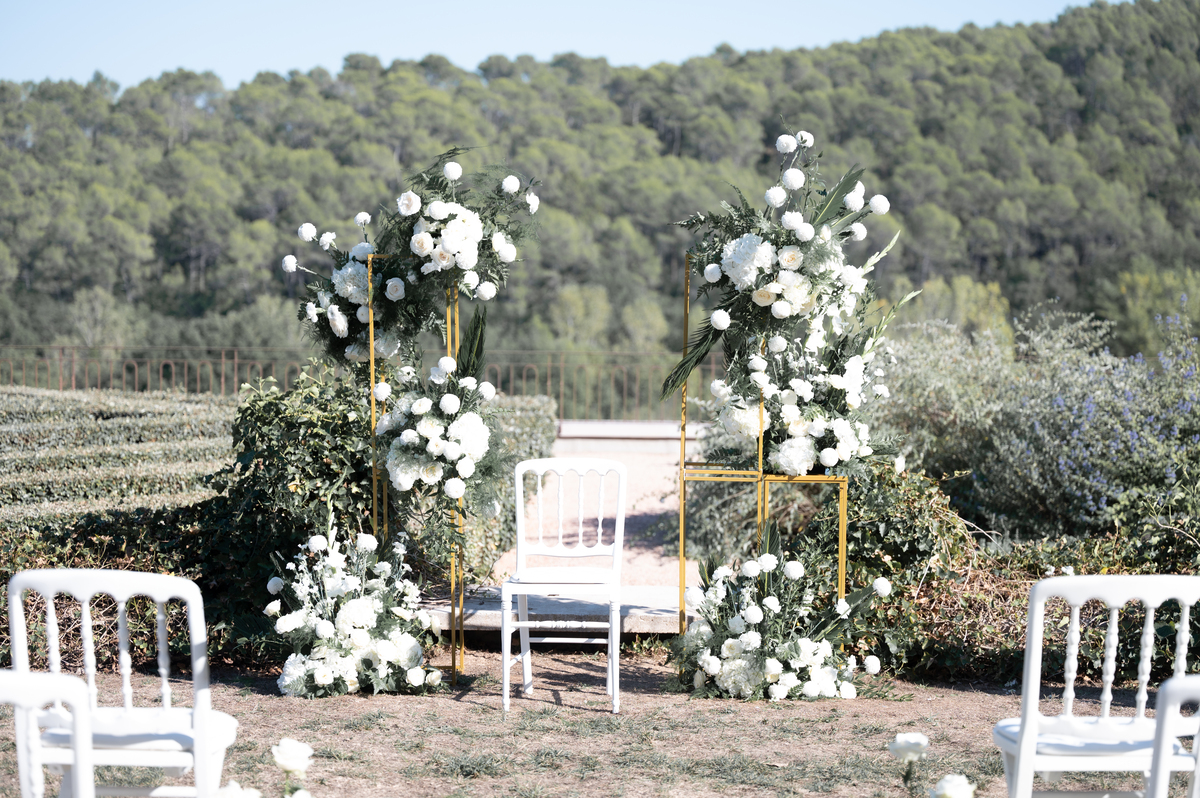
{"type": "Point", "coordinates": [564, 741]}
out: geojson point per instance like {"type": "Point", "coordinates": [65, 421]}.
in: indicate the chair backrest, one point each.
{"type": "Point", "coordinates": [29, 692]}
{"type": "Point", "coordinates": [1169, 726]}
{"type": "Point", "coordinates": [561, 537]}
{"type": "Point", "coordinates": [1151, 592]}
{"type": "Point", "coordinates": [83, 585]}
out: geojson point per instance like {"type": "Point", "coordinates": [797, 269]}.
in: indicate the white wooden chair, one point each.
{"type": "Point", "coordinates": [1069, 742]}
{"type": "Point", "coordinates": [1172, 695]}
{"type": "Point", "coordinates": [173, 738]}
{"type": "Point", "coordinates": [30, 693]}
{"type": "Point", "coordinates": [599, 584]}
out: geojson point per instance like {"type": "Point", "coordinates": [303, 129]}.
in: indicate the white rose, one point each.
{"type": "Point", "coordinates": [533, 201]}
{"type": "Point", "coordinates": [882, 586]}
{"type": "Point", "coordinates": [510, 184]}
{"type": "Point", "coordinates": [322, 675]}
{"type": "Point", "coordinates": [273, 609]}
{"type": "Point", "coordinates": [804, 232]}
{"type": "Point", "coordinates": [408, 203]}
{"type": "Point", "coordinates": [486, 290]}
{"type": "Point", "coordinates": [362, 219]}
{"type": "Point", "coordinates": [871, 664]}
{"type": "Point", "coordinates": [394, 289]}
{"type": "Point", "coordinates": [790, 259]}
{"type": "Point", "coordinates": [793, 179]}
{"type": "Point", "coordinates": [712, 272]}
{"type": "Point", "coordinates": [439, 259]}
{"type": "Point", "coordinates": [327, 240]}
{"type": "Point", "coordinates": [452, 171]}
{"type": "Point", "coordinates": [455, 488]}
{"type": "Point", "coordinates": [450, 404]}
{"type": "Point", "coordinates": [307, 232]}
{"type": "Point", "coordinates": [719, 319]}
{"type": "Point", "coordinates": [422, 245]}
{"type": "Point", "coordinates": [422, 406]}
{"type": "Point", "coordinates": [433, 678]}
{"type": "Point", "coordinates": [775, 196]}
{"type": "Point", "coordinates": [274, 585]}
{"type": "Point", "coordinates": [292, 756]}
{"type": "Point", "coordinates": [762, 297]}
{"type": "Point", "coordinates": [289, 263]}
{"type": "Point", "coordinates": [415, 676]}
{"type": "Point", "coordinates": [786, 143]}
{"type": "Point", "coordinates": [880, 204]}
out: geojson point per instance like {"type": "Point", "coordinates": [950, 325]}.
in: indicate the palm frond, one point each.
{"type": "Point", "coordinates": [470, 352]}
{"type": "Point", "coordinates": [833, 200]}
{"type": "Point", "coordinates": [701, 344]}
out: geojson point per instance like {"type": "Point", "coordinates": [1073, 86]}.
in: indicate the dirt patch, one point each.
{"type": "Point", "coordinates": [563, 740]}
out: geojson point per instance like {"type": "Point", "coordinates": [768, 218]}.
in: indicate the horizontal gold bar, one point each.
{"type": "Point", "coordinates": [719, 479]}
{"type": "Point", "coordinates": [813, 478]}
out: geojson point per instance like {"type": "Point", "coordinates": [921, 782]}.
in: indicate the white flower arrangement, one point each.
{"type": "Point", "coordinates": [785, 294]}
{"type": "Point", "coordinates": [355, 623]}
{"type": "Point", "coordinates": [760, 633]}
{"type": "Point", "coordinates": [448, 231]}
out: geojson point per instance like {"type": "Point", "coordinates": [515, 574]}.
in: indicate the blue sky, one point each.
{"type": "Point", "coordinates": [131, 41]}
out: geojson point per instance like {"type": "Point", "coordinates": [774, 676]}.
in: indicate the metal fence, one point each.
{"type": "Point", "coordinates": [586, 385]}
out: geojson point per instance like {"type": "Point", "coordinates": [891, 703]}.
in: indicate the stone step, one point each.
{"type": "Point", "coordinates": [645, 609]}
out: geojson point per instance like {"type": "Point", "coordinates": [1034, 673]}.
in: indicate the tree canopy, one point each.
{"type": "Point", "coordinates": [1052, 160]}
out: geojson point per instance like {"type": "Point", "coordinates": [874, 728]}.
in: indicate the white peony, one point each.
{"type": "Point", "coordinates": [327, 240]}
{"type": "Point", "coordinates": [408, 203]}
{"type": "Point", "coordinates": [793, 179]}
{"type": "Point", "coordinates": [421, 406]}
{"type": "Point", "coordinates": [325, 629]}
{"type": "Point", "coordinates": [794, 457]}
{"type": "Point", "coordinates": [880, 205]}
{"type": "Point", "coordinates": [452, 171]}
{"type": "Point", "coordinates": [273, 609]}
{"type": "Point", "coordinates": [786, 143]}
{"type": "Point", "coordinates": [510, 184]}
{"type": "Point", "coordinates": [719, 319]}
{"type": "Point", "coordinates": [486, 290]}
{"type": "Point", "coordinates": [775, 196]}
{"type": "Point", "coordinates": [465, 467]}
{"type": "Point", "coordinates": [744, 258]}
{"type": "Point", "coordinates": [307, 232]}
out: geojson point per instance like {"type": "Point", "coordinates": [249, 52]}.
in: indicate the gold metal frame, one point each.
{"type": "Point", "coordinates": [716, 472]}
{"type": "Point", "coordinates": [458, 583]}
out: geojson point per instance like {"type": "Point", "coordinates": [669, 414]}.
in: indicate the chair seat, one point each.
{"type": "Point", "coordinates": [147, 729]}
{"type": "Point", "coordinates": [564, 575]}
{"type": "Point", "coordinates": [1086, 737]}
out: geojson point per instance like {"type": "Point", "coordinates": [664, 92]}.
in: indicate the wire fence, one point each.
{"type": "Point", "coordinates": [587, 385]}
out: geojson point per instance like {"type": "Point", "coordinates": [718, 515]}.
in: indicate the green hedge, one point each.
{"type": "Point", "coordinates": [15, 438]}
{"type": "Point", "coordinates": [26, 405]}
{"type": "Point", "coordinates": [124, 454]}
{"type": "Point", "coordinates": [104, 482]}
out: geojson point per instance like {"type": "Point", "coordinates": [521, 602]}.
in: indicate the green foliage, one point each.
{"type": "Point", "coordinates": [1060, 436]}
{"type": "Point", "coordinates": [1045, 158]}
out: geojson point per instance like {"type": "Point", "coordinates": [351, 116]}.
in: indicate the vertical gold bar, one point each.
{"type": "Point", "coordinates": [458, 584]}
{"type": "Point", "coordinates": [371, 392]}
{"type": "Point", "coordinates": [687, 303]}
{"type": "Point", "coordinates": [843, 494]}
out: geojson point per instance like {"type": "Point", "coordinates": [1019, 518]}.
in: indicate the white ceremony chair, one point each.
{"type": "Point", "coordinates": [1103, 742]}
{"type": "Point", "coordinates": [30, 693]}
{"type": "Point", "coordinates": [1172, 695]}
{"type": "Point", "coordinates": [173, 738]}
{"type": "Point", "coordinates": [560, 546]}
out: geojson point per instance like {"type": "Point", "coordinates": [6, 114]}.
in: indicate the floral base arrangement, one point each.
{"type": "Point", "coordinates": [354, 620]}
{"type": "Point", "coordinates": [761, 633]}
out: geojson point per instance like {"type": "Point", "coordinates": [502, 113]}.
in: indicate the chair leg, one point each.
{"type": "Point", "coordinates": [614, 653]}
{"type": "Point", "coordinates": [526, 663]}
{"type": "Point", "coordinates": [505, 646]}
{"type": "Point", "coordinates": [1010, 772]}
{"type": "Point", "coordinates": [67, 788]}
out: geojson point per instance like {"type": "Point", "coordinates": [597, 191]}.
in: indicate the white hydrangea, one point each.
{"type": "Point", "coordinates": [744, 258]}
{"type": "Point", "coordinates": [795, 456]}
{"type": "Point", "coordinates": [351, 282]}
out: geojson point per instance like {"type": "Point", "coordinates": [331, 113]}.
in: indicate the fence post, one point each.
{"type": "Point", "coordinates": [235, 369]}
{"type": "Point", "coordinates": [60, 360]}
{"type": "Point", "coordinates": [73, 369]}
{"type": "Point", "coordinates": [222, 372]}
{"type": "Point", "coordinates": [562, 364]}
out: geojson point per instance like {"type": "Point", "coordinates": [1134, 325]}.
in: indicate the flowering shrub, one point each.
{"type": "Point", "coordinates": [353, 620]}
{"type": "Point", "coordinates": [446, 233]}
{"type": "Point", "coordinates": [793, 316]}
{"type": "Point", "coordinates": [762, 632]}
